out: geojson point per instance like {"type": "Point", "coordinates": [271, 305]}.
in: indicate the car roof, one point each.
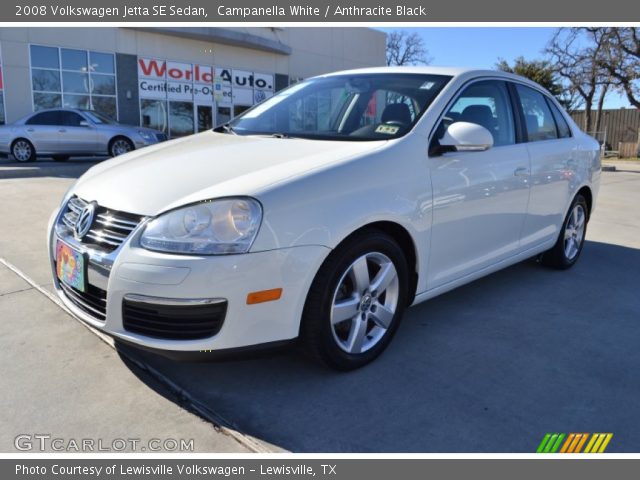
{"type": "Point", "coordinates": [466, 72]}
{"type": "Point", "coordinates": [57, 109]}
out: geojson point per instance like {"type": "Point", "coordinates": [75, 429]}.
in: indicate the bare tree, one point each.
{"type": "Point", "coordinates": [579, 65]}
{"type": "Point", "coordinates": [621, 59]}
{"type": "Point", "coordinates": [406, 49]}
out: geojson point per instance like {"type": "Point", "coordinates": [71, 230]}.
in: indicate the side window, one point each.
{"type": "Point", "coordinates": [486, 103]}
{"type": "Point", "coordinates": [71, 119]}
{"type": "Point", "coordinates": [537, 115]}
{"type": "Point", "coordinates": [45, 118]}
{"type": "Point", "coordinates": [563, 127]}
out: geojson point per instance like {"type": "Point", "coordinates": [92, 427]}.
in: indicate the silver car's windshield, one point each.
{"type": "Point", "coordinates": [343, 107]}
{"type": "Point", "coordinates": [99, 118]}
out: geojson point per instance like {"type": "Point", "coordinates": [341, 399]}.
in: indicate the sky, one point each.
{"type": "Point", "coordinates": [482, 47]}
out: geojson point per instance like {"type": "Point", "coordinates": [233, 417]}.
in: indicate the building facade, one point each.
{"type": "Point", "coordinates": [179, 80]}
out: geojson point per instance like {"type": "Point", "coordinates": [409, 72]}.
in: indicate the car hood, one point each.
{"type": "Point", "coordinates": [208, 165]}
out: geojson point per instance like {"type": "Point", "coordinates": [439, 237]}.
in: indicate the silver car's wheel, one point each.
{"type": "Point", "coordinates": [574, 231]}
{"type": "Point", "coordinates": [120, 146]}
{"type": "Point", "coordinates": [364, 303]}
{"type": "Point", "coordinates": [23, 151]}
{"type": "Point", "coordinates": [566, 251]}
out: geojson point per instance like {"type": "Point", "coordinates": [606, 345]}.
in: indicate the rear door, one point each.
{"type": "Point", "coordinates": [479, 198]}
{"type": "Point", "coordinates": [551, 148]}
{"type": "Point", "coordinates": [43, 131]}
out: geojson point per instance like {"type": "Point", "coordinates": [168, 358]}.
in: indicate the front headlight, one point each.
{"type": "Point", "coordinates": [216, 227]}
{"type": "Point", "coordinates": [146, 135]}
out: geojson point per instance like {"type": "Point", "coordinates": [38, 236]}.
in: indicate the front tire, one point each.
{"type": "Point", "coordinates": [23, 150]}
{"type": "Point", "coordinates": [120, 146]}
{"type": "Point", "coordinates": [565, 253]}
{"type": "Point", "coordinates": [356, 301]}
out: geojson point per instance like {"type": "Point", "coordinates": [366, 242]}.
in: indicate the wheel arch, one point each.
{"type": "Point", "coordinates": [585, 191]}
{"type": "Point", "coordinates": [406, 242]}
{"type": "Point", "coordinates": [116, 137]}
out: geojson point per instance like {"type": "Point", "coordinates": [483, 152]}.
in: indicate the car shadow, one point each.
{"type": "Point", "coordinates": [72, 168]}
{"type": "Point", "coordinates": [489, 367]}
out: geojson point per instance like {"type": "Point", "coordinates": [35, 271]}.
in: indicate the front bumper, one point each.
{"type": "Point", "coordinates": [133, 271]}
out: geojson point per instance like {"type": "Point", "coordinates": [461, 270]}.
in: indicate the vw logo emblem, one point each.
{"type": "Point", "coordinates": [84, 221]}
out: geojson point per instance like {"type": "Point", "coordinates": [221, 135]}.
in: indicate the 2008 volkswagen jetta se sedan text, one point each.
{"type": "Point", "coordinates": [325, 211]}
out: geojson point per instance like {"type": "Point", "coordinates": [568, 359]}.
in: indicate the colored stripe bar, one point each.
{"type": "Point", "coordinates": [570, 438]}
{"type": "Point", "coordinates": [550, 443]}
{"type": "Point", "coordinates": [555, 447]}
{"type": "Point", "coordinates": [594, 437]}
{"type": "Point", "coordinates": [543, 443]}
{"type": "Point", "coordinates": [607, 439]}
{"type": "Point", "coordinates": [581, 443]}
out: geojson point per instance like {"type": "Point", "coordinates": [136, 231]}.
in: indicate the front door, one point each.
{"type": "Point", "coordinates": [479, 198]}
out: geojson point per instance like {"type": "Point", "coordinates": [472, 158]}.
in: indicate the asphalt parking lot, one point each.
{"type": "Point", "coordinates": [489, 367]}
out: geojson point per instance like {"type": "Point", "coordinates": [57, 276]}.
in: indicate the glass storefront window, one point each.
{"type": "Point", "coordinates": [45, 80]}
{"type": "Point", "coordinates": [76, 101]}
{"type": "Point", "coordinates": [224, 115]}
{"type": "Point", "coordinates": [153, 114]}
{"type": "Point", "coordinates": [180, 119]}
{"type": "Point", "coordinates": [42, 101]}
{"type": "Point", "coordinates": [105, 105]}
{"type": "Point", "coordinates": [44, 57]}
{"type": "Point", "coordinates": [205, 117]}
{"type": "Point", "coordinates": [101, 62]}
{"type": "Point", "coordinates": [103, 84]}
{"type": "Point", "coordinates": [74, 60]}
{"type": "Point", "coordinates": [73, 78]}
{"type": "Point", "coordinates": [75, 82]}
{"type": "Point", "coordinates": [2, 119]}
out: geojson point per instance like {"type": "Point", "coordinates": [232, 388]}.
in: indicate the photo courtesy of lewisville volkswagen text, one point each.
{"type": "Point", "coordinates": [320, 240]}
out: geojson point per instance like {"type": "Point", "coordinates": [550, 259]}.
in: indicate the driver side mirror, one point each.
{"type": "Point", "coordinates": [466, 137]}
{"type": "Point", "coordinates": [84, 123]}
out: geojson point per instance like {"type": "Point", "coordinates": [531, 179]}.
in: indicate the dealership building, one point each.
{"type": "Point", "coordinates": [179, 80]}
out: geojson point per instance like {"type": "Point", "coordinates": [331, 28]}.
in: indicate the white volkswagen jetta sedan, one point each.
{"type": "Point", "coordinates": [325, 211]}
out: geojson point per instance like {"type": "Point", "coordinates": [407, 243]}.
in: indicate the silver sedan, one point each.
{"type": "Point", "coordinates": [65, 132]}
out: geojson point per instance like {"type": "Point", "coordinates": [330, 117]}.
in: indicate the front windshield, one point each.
{"type": "Point", "coordinates": [343, 107]}
{"type": "Point", "coordinates": [98, 118]}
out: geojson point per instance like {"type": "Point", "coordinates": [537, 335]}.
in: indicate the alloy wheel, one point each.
{"type": "Point", "coordinates": [22, 151]}
{"type": "Point", "coordinates": [574, 232]}
{"type": "Point", "coordinates": [120, 147]}
{"type": "Point", "coordinates": [364, 303]}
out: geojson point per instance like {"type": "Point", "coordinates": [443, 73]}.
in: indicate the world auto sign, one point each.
{"type": "Point", "coordinates": [161, 79]}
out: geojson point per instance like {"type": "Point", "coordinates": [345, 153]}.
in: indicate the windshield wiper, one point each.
{"type": "Point", "coordinates": [225, 128]}
{"type": "Point", "coordinates": [281, 135]}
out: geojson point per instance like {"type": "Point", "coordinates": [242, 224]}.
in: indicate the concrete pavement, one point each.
{"type": "Point", "coordinates": [490, 367]}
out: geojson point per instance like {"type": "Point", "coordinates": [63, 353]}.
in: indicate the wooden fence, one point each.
{"type": "Point", "coordinates": [621, 125]}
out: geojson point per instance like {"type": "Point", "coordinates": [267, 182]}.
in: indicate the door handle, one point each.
{"type": "Point", "coordinates": [521, 172]}
{"type": "Point", "coordinates": [30, 130]}
{"type": "Point", "coordinates": [62, 130]}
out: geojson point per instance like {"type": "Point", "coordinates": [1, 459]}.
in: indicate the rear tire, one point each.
{"type": "Point", "coordinates": [565, 253]}
{"type": "Point", "coordinates": [356, 301]}
{"type": "Point", "coordinates": [23, 150]}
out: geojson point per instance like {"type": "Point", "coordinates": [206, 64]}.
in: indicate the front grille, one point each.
{"type": "Point", "coordinates": [109, 228]}
{"type": "Point", "coordinates": [93, 301]}
{"type": "Point", "coordinates": [173, 322]}
{"type": "Point", "coordinates": [161, 137]}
